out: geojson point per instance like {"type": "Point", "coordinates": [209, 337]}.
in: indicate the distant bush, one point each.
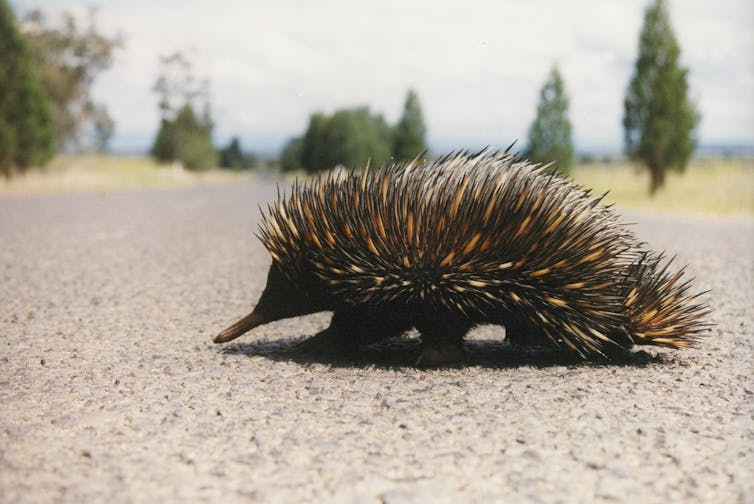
{"type": "Point", "coordinates": [349, 137]}
{"type": "Point", "coordinates": [233, 158]}
{"type": "Point", "coordinates": [187, 139]}
{"type": "Point", "coordinates": [183, 136]}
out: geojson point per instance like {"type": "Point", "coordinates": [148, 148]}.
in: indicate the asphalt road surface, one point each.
{"type": "Point", "coordinates": [111, 391]}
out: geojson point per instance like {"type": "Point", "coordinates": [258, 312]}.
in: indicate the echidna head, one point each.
{"type": "Point", "coordinates": [280, 299]}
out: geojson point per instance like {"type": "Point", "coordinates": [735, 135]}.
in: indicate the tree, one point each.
{"type": "Point", "coordinates": [659, 119]}
{"type": "Point", "coordinates": [68, 60]}
{"type": "Point", "coordinates": [232, 157]}
{"type": "Point", "coordinates": [349, 137]}
{"type": "Point", "coordinates": [193, 140]}
{"type": "Point", "coordinates": [408, 141]}
{"type": "Point", "coordinates": [176, 85]}
{"type": "Point", "coordinates": [163, 149]}
{"type": "Point", "coordinates": [183, 135]}
{"type": "Point", "coordinates": [187, 139]}
{"type": "Point", "coordinates": [550, 133]}
{"type": "Point", "coordinates": [355, 136]}
{"type": "Point", "coordinates": [26, 128]}
{"type": "Point", "coordinates": [290, 160]}
{"type": "Point", "coordinates": [314, 154]}
{"type": "Point", "coordinates": [103, 128]}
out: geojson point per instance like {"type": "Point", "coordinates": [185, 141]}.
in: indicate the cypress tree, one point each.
{"type": "Point", "coordinates": [163, 149]}
{"type": "Point", "coordinates": [27, 134]}
{"type": "Point", "coordinates": [550, 133]}
{"type": "Point", "coordinates": [659, 119]}
{"type": "Point", "coordinates": [409, 139]}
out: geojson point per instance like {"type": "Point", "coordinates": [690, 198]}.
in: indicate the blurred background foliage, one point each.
{"type": "Point", "coordinates": [659, 117]}
{"type": "Point", "coordinates": [351, 137]}
{"type": "Point", "coordinates": [27, 135]}
{"type": "Point", "coordinates": [184, 136]}
{"type": "Point", "coordinates": [550, 138]}
{"type": "Point", "coordinates": [67, 59]}
{"type": "Point", "coordinates": [48, 68]}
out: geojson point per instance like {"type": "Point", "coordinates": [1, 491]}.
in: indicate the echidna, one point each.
{"type": "Point", "coordinates": [468, 239]}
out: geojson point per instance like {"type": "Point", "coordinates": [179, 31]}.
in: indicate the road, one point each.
{"type": "Point", "coordinates": [111, 391]}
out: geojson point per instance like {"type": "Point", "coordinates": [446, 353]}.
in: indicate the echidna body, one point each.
{"type": "Point", "coordinates": [462, 241]}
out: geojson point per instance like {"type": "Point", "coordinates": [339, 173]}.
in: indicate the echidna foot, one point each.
{"type": "Point", "coordinates": [442, 339]}
{"type": "Point", "coordinates": [440, 353]}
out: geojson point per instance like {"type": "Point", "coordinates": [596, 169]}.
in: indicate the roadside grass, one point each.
{"type": "Point", "coordinates": [714, 186]}
{"type": "Point", "coordinates": [67, 173]}
{"type": "Point", "coordinates": [709, 186]}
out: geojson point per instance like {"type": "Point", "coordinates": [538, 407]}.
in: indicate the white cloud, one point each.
{"type": "Point", "coordinates": [477, 66]}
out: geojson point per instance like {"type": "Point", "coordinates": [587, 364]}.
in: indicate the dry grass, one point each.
{"type": "Point", "coordinates": [106, 173]}
{"type": "Point", "coordinates": [707, 186]}
{"type": "Point", "coordinates": [713, 186]}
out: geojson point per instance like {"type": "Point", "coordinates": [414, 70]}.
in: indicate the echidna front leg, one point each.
{"type": "Point", "coordinates": [350, 329]}
{"type": "Point", "coordinates": [522, 332]}
{"type": "Point", "coordinates": [442, 340]}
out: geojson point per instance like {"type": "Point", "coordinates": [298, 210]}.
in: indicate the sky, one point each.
{"type": "Point", "coordinates": [477, 66]}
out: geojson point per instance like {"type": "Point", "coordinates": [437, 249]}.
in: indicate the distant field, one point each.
{"type": "Point", "coordinates": [707, 186]}
{"type": "Point", "coordinates": [107, 172]}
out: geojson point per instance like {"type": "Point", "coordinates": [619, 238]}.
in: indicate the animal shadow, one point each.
{"type": "Point", "coordinates": [403, 351]}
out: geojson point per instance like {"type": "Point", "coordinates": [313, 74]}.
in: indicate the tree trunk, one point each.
{"type": "Point", "coordinates": [656, 179]}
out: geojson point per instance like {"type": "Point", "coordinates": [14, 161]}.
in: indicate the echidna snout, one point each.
{"type": "Point", "coordinates": [280, 299]}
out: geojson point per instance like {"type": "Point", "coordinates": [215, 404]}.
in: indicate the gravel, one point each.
{"type": "Point", "coordinates": [111, 391]}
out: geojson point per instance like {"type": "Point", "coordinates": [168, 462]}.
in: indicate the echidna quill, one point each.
{"type": "Point", "coordinates": [466, 240]}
